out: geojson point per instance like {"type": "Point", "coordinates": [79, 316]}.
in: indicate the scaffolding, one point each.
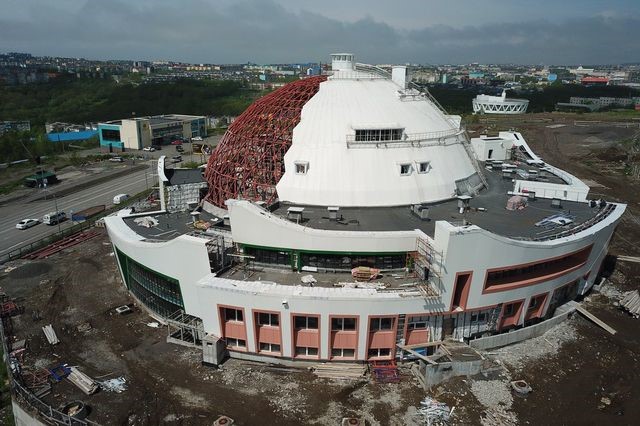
{"type": "Point", "coordinates": [427, 262]}
{"type": "Point", "coordinates": [249, 160]}
{"type": "Point", "coordinates": [180, 196]}
{"type": "Point", "coordinates": [184, 329]}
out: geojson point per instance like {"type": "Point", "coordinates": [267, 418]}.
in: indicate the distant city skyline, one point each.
{"type": "Point", "coordinates": [286, 31]}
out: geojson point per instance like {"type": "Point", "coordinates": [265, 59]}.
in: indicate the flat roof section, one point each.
{"type": "Point", "coordinates": [167, 225]}
{"type": "Point", "coordinates": [161, 120]}
{"type": "Point", "coordinates": [386, 281]}
{"type": "Point", "coordinates": [495, 217]}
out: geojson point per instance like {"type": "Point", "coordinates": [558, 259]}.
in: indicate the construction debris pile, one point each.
{"type": "Point", "coordinates": [434, 413]}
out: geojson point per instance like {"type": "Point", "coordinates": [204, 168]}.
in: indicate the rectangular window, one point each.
{"type": "Point", "coordinates": [301, 168]}
{"type": "Point", "coordinates": [344, 353]}
{"type": "Point", "coordinates": [535, 272]}
{"type": "Point", "coordinates": [379, 352]}
{"type": "Point", "coordinates": [236, 343]}
{"type": "Point", "coordinates": [380, 324]}
{"type": "Point", "coordinates": [269, 347]}
{"type": "Point", "coordinates": [509, 310]}
{"type": "Point", "coordinates": [302, 323]}
{"type": "Point", "coordinates": [306, 351]}
{"type": "Point", "coordinates": [343, 324]}
{"type": "Point", "coordinates": [419, 325]}
{"type": "Point", "coordinates": [424, 166]}
{"type": "Point", "coordinates": [379, 135]}
{"type": "Point", "coordinates": [267, 319]}
{"type": "Point", "coordinates": [110, 135]}
{"type": "Point", "coordinates": [405, 169]}
{"type": "Point", "coordinates": [231, 314]}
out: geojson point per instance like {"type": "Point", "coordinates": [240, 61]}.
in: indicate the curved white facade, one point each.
{"type": "Point", "coordinates": [486, 104]}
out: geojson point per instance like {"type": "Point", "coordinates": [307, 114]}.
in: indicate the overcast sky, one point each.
{"type": "Point", "coordinates": [279, 31]}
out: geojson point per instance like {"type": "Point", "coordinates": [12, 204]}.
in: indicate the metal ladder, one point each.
{"type": "Point", "coordinates": [400, 328]}
{"type": "Point", "coordinates": [474, 159]}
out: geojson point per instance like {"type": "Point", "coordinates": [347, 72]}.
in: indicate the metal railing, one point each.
{"type": "Point", "coordinates": [442, 137]}
{"type": "Point", "coordinates": [31, 403]}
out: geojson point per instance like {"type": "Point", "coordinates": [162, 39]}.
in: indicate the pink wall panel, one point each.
{"type": "Point", "coordinates": [382, 339]}
{"type": "Point", "coordinates": [417, 336]}
{"type": "Point", "coordinates": [344, 339]}
{"type": "Point", "coordinates": [308, 338]}
{"type": "Point", "coordinates": [268, 334]}
{"type": "Point", "coordinates": [235, 330]}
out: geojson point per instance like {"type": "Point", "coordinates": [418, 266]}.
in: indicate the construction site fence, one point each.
{"type": "Point", "coordinates": [33, 405]}
{"type": "Point", "coordinates": [25, 249]}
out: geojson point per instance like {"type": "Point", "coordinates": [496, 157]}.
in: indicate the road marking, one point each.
{"type": "Point", "coordinates": [84, 200]}
{"type": "Point", "coordinates": [65, 204]}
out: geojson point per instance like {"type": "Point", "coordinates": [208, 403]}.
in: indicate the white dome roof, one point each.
{"type": "Point", "coordinates": [327, 163]}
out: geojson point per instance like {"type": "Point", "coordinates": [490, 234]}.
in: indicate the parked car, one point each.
{"type": "Point", "coordinates": [179, 148]}
{"type": "Point", "coordinates": [120, 198]}
{"type": "Point", "coordinates": [54, 217]}
{"type": "Point", "coordinates": [148, 148]}
{"type": "Point", "coordinates": [27, 223]}
{"type": "Point", "coordinates": [116, 159]}
{"type": "Point", "coordinates": [197, 139]}
{"type": "Point", "coordinates": [176, 158]}
{"type": "Point", "coordinates": [176, 142]}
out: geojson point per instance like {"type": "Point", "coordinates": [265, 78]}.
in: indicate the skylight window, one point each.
{"type": "Point", "coordinates": [424, 166]}
{"type": "Point", "coordinates": [405, 169]}
{"type": "Point", "coordinates": [301, 167]}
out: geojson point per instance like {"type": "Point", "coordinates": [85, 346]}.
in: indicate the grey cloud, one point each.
{"type": "Point", "coordinates": [264, 31]}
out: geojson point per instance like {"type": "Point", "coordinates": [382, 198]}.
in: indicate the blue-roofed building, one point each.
{"type": "Point", "coordinates": [71, 136]}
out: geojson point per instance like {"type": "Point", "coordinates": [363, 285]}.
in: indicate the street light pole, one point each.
{"type": "Point", "coordinates": [55, 202]}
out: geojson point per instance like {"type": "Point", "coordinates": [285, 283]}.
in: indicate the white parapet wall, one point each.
{"type": "Point", "coordinates": [254, 225]}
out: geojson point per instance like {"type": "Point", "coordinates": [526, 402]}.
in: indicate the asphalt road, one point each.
{"type": "Point", "coordinates": [102, 193]}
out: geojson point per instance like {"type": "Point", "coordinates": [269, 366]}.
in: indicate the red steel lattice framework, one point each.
{"type": "Point", "coordinates": [249, 160]}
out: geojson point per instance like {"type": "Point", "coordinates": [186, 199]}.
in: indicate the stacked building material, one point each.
{"type": "Point", "coordinates": [82, 381]}
{"type": "Point", "coordinates": [340, 371]}
{"type": "Point", "coordinates": [631, 303]}
{"type": "Point", "coordinates": [50, 334]}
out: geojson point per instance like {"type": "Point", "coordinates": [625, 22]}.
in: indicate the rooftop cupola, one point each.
{"type": "Point", "coordinates": [342, 62]}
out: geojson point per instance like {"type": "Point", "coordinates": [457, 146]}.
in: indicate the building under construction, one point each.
{"type": "Point", "coordinates": [348, 215]}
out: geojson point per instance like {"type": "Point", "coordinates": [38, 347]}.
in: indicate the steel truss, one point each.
{"type": "Point", "coordinates": [249, 161]}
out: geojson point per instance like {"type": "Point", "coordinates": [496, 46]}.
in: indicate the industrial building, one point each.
{"type": "Point", "coordinates": [348, 216]}
{"type": "Point", "coordinates": [157, 130]}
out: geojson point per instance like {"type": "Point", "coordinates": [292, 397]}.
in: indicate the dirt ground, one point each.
{"type": "Point", "coordinates": [167, 384]}
{"type": "Point", "coordinates": [579, 373]}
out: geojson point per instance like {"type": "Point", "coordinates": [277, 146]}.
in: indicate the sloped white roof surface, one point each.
{"type": "Point", "coordinates": [369, 176]}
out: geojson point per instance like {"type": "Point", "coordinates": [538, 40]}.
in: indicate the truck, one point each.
{"type": "Point", "coordinates": [87, 213]}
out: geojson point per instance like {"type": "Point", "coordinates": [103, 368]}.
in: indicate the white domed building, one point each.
{"type": "Point", "coordinates": [348, 216]}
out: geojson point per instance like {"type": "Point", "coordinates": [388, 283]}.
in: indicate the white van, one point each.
{"type": "Point", "coordinates": [120, 198]}
{"type": "Point", "coordinates": [53, 218]}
